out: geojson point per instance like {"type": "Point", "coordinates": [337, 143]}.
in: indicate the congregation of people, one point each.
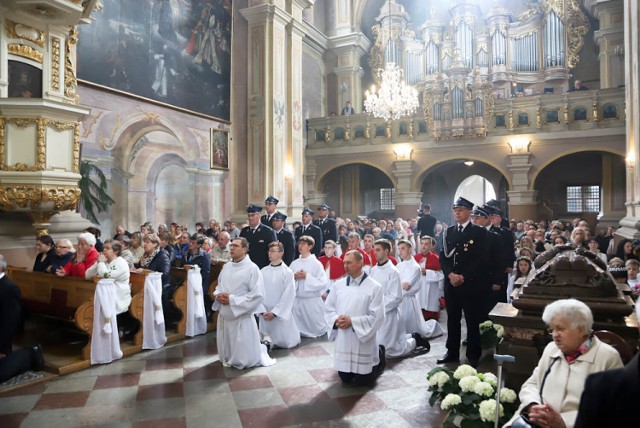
{"type": "Point", "coordinates": [375, 286]}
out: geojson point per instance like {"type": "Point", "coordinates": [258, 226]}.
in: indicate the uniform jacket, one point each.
{"type": "Point", "coordinates": [259, 243]}
{"type": "Point", "coordinates": [466, 255]}
{"type": "Point", "coordinates": [313, 231]}
{"type": "Point", "coordinates": [507, 246]}
{"type": "Point", "coordinates": [286, 239]}
{"type": "Point", "coordinates": [264, 219]}
{"type": "Point", "coordinates": [565, 383]}
{"type": "Point", "coordinates": [329, 229]}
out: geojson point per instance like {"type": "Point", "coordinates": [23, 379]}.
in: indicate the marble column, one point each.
{"type": "Point", "coordinates": [610, 40]}
{"type": "Point", "coordinates": [523, 202]}
{"type": "Point", "coordinates": [349, 73]}
{"type": "Point", "coordinates": [631, 222]}
{"type": "Point", "coordinates": [407, 200]}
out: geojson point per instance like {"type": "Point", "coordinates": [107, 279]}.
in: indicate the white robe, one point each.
{"type": "Point", "coordinates": [430, 289]}
{"type": "Point", "coordinates": [238, 338]}
{"type": "Point", "coordinates": [356, 348]}
{"type": "Point", "coordinates": [279, 296]}
{"type": "Point", "coordinates": [118, 270]}
{"type": "Point", "coordinates": [413, 319]}
{"type": "Point", "coordinates": [392, 335]}
{"type": "Point", "coordinates": [308, 311]}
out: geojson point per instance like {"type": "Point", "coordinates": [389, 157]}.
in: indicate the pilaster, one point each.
{"type": "Point", "coordinates": [407, 201]}
{"type": "Point", "coordinates": [610, 40]}
{"type": "Point", "coordinates": [522, 201]}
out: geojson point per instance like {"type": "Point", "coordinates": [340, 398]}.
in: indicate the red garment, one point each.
{"type": "Point", "coordinates": [79, 269]}
{"type": "Point", "coordinates": [337, 266]}
{"type": "Point", "coordinates": [365, 256]}
{"type": "Point", "coordinates": [433, 261]}
{"type": "Point", "coordinates": [372, 256]}
{"type": "Point", "coordinates": [393, 260]}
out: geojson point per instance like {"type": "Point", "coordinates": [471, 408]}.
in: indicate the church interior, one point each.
{"type": "Point", "coordinates": [174, 112]}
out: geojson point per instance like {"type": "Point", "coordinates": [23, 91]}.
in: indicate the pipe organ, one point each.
{"type": "Point", "coordinates": [463, 64]}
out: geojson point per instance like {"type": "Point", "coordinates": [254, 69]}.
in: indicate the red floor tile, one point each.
{"type": "Point", "coordinates": [249, 382]}
{"type": "Point", "coordinates": [117, 381]}
{"type": "Point", "coordinates": [325, 375]}
{"type": "Point", "coordinates": [302, 394]}
{"type": "Point", "coordinates": [212, 371]}
{"type": "Point", "coordinates": [310, 351]}
{"type": "Point", "coordinates": [361, 404]}
{"type": "Point", "coordinates": [162, 390]}
{"type": "Point", "coordinates": [265, 417]}
{"type": "Point", "coordinates": [164, 363]}
{"type": "Point", "coordinates": [62, 400]}
{"type": "Point", "coordinates": [390, 381]}
{"type": "Point", "coordinates": [161, 423]}
{"type": "Point", "coordinates": [12, 420]}
{"type": "Point", "coordinates": [36, 389]}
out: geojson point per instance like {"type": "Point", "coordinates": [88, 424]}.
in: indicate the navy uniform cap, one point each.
{"type": "Point", "coordinates": [254, 209]}
{"type": "Point", "coordinates": [324, 207]}
{"type": "Point", "coordinates": [279, 216]}
{"type": "Point", "coordinates": [271, 200]}
{"type": "Point", "coordinates": [492, 210]}
{"type": "Point", "coordinates": [463, 203]}
{"type": "Point", "coordinates": [479, 213]}
{"type": "Point", "coordinates": [307, 211]}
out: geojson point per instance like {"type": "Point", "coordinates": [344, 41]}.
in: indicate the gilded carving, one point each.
{"type": "Point", "coordinates": [55, 64]}
{"type": "Point", "coordinates": [76, 149]}
{"type": "Point", "coordinates": [1, 143]}
{"type": "Point", "coordinates": [347, 134]}
{"type": "Point", "coordinates": [595, 112]}
{"type": "Point", "coordinates": [15, 30]}
{"type": "Point", "coordinates": [40, 148]}
{"type": "Point", "coordinates": [23, 197]}
{"type": "Point", "coordinates": [576, 23]}
{"type": "Point", "coordinates": [70, 81]}
{"type": "Point", "coordinates": [25, 51]}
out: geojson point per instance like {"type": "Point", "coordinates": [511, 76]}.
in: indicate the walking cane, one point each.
{"type": "Point", "coordinates": [500, 359]}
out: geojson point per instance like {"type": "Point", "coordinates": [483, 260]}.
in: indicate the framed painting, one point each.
{"type": "Point", "coordinates": [219, 149]}
{"type": "Point", "coordinates": [176, 53]}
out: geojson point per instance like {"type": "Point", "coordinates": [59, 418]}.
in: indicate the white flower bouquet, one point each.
{"type": "Point", "coordinates": [490, 334]}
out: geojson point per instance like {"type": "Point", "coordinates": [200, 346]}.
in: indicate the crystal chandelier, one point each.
{"type": "Point", "coordinates": [394, 98]}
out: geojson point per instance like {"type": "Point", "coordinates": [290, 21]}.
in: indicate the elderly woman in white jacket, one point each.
{"type": "Point", "coordinates": [565, 363]}
{"type": "Point", "coordinates": [111, 265]}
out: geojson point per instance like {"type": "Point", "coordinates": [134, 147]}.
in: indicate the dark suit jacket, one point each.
{"type": "Point", "coordinates": [609, 398]}
{"type": "Point", "coordinates": [266, 222]}
{"type": "Point", "coordinates": [289, 244]}
{"type": "Point", "coordinates": [495, 269]}
{"type": "Point", "coordinates": [259, 243]}
{"type": "Point", "coordinates": [466, 255]}
{"type": "Point", "coordinates": [507, 246]}
{"type": "Point", "coordinates": [329, 229]}
{"type": "Point", "coordinates": [313, 231]}
{"type": "Point", "coordinates": [427, 225]}
{"type": "Point", "coordinates": [9, 312]}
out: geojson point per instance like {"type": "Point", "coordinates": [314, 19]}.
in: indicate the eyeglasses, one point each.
{"type": "Point", "coordinates": [61, 246]}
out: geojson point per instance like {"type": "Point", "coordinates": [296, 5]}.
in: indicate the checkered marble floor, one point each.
{"type": "Point", "coordinates": [185, 385]}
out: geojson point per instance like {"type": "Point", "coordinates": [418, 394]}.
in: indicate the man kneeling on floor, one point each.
{"type": "Point", "coordinates": [354, 312]}
{"type": "Point", "coordinates": [238, 297]}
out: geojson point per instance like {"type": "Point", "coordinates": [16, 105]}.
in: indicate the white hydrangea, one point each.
{"type": "Point", "coordinates": [439, 378]}
{"type": "Point", "coordinates": [451, 400]}
{"type": "Point", "coordinates": [467, 383]}
{"type": "Point", "coordinates": [488, 410]}
{"type": "Point", "coordinates": [499, 330]}
{"type": "Point", "coordinates": [490, 378]}
{"type": "Point", "coordinates": [507, 395]}
{"type": "Point", "coordinates": [464, 370]}
{"type": "Point", "coordinates": [483, 389]}
{"type": "Point", "coordinates": [486, 325]}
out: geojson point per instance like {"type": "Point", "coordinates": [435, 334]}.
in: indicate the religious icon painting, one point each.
{"type": "Point", "coordinates": [219, 149]}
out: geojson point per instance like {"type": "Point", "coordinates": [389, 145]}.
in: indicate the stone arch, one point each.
{"type": "Point", "coordinates": [159, 166]}
{"type": "Point", "coordinates": [420, 176]}
{"type": "Point", "coordinates": [334, 166]}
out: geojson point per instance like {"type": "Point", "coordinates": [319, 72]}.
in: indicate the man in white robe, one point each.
{"type": "Point", "coordinates": [238, 297]}
{"type": "Point", "coordinates": [277, 326]}
{"type": "Point", "coordinates": [391, 335]}
{"type": "Point", "coordinates": [410, 275]}
{"type": "Point", "coordinates": [354, 312]}
{"type": "Point", "coordinates": [311, 282]}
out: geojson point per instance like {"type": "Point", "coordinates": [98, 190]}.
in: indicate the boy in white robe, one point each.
{"type": "Point", "coordinates": [391, 335]}
{"type": "Point", "coordinates": [410, 275]}
{"type": "Point", "coordinates": [238, 296]}
{"type": "Point", "coordinates": [354, 312]}
{"type": "Point", "coordinates": [311, 282]}
{"type": "Point", "coordinates": [277, 325]}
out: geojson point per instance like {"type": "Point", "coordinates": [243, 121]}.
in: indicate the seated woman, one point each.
{"type": "Point", "coordinates": [126, 253]}
{"type": "Point", "coordinates": [550, 397]}
{"type": "Point", "coordinates": [157, 260]}
{"type": "Point", "coordinates": [46, 253]}
{"type": "Point", "coordinates": [165, 244]}
{"type": "Point", "coordinates": [196, 256]}
{"type": "Point", "coordinates": [64, 254]}
{"type": "Point", "coordinates": [136, 247]}
{"type": "Point", "coordinates": [84, 258]}
{"type": "Point", "coordinates": [111, 265]}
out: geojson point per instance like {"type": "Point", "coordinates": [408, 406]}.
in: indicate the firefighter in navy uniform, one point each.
{"type": "Point", "coordinates": [259, 237]}
{"type": "Point", "coordinates": [326, 224]}
{"type": "Point", "coordinates": [464, 263]}
{"type": "Point", "coordinates": [507, 254]}
{"type": "Point", "coordinates": [309, 229]}
{"type": "Point", "coordinates": [271, 205]}
{"type": "Point", "coordinates": [285, 237]}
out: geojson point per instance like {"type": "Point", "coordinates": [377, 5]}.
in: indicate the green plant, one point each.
{"type": "Point", "coordinates": [469, 397]}
{"type": "Point", "coordinates": [94, 196]}
{"type": "Point", "coordinates": [490, 334]}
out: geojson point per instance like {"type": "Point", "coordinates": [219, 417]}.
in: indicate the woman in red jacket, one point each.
{"type": "Point", "coordinates": [86, 256]}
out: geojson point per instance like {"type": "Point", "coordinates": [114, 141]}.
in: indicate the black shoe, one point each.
{"type": "Point", "coordinates": [448, 358]}
{"type": "Point", "coordinates": [37, 358]}
{"type": "Point", "coordinates": [383, 359]}
{"type": "Point", "coordinates": [464, 342]}
{"type": "Point", "coordinates": [473, 362]}
{"type": "Point", "coordinates": [268, 344]}
{"type": "Point", "coordinates": [421, 342]}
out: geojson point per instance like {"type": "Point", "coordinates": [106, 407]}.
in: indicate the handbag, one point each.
{"type": "Point", "coordinates": [523, 420]}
